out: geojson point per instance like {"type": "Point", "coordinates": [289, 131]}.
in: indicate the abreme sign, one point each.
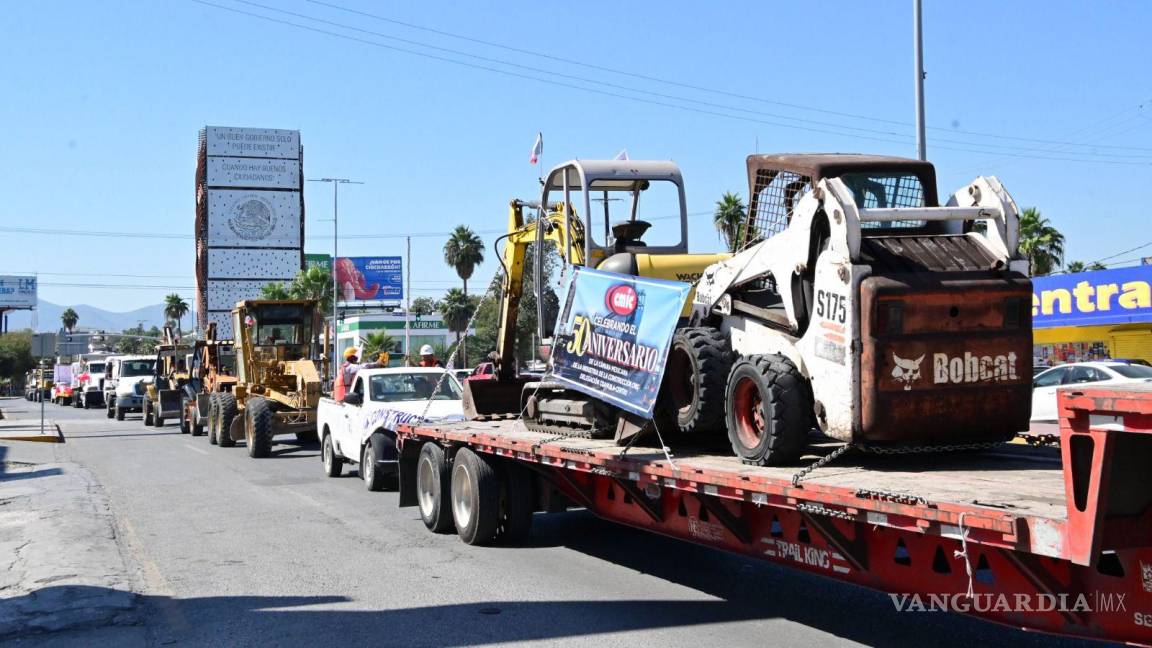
{"type": "Point", "coordinates": [1119, 296]}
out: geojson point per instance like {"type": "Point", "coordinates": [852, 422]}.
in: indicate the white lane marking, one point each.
{"type": "Point", "coordinates": [195, 449]}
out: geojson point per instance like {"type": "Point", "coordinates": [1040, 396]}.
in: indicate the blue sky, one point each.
{"type": "Point", "coordinates": [103, 101]}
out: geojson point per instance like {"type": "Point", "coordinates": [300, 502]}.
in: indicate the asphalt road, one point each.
{"type": "Point", "coordinates": [229, 550]}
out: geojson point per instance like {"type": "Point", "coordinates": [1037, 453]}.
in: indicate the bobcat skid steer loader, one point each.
{"type": "Point", "coordinates": [860, 307]}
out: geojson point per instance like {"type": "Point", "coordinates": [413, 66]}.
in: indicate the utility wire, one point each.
{"type": "Point", "coordinates": [904, 141]}
{"type": "Point", "coordinates": [688, 86]}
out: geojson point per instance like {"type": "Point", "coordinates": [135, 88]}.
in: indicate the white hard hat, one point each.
{"type": "Point", "coordinates": [427, 350]}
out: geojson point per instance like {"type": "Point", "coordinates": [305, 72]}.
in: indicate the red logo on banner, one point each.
{"type": "Point", "coordinates": [621, 299]}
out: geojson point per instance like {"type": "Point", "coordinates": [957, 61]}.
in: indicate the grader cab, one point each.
{"type": "Point", "coordinates": [278, 376]}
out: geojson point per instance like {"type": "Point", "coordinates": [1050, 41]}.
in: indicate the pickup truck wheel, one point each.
{"type": "Point", "coordinates": [258, 427]}
{"type": "Point", "coordinates": [225, 413]}
{"type": "Point", "coordinates": [518, 503]}
{"type": "Point", "coordinates": [109, 410]}
{"type": "Point", "coordinates": [770, 410]}
{"type": "Point", "coordinates": [213, 412]}
{"type": "Point", "coordinates": [333, 465]}
{"type": "Point", "coordinates": [373, 478]}
{"type": "Point", "coordinates": [433, 490]}
{"type": "Point", "coordinates": [147, 413]}
{"type": "Point", "coordinates": [475, 498]}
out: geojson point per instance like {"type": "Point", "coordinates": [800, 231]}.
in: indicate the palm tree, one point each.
{"type": "Point", "coordinates": [376, 343]}
{"type": "Point", "coordinates": [69, 318]}
{"type": "Point", "coordinates": [313, 283]}
{"type": "Point", "coordinates": [463, 252]}
{"type": "Point", "coordinates": [456, 309]}
{"type": "Point", "coordinates": [729, 219]}
{"type": "Point", "coordinates": [175, 308]}
{"type": "Point", "coordinates": [1080, 266]}
{"type": "Point", "coordinates": [275, 291]}
{"type": "Point", "coordinates": [1042, 243]}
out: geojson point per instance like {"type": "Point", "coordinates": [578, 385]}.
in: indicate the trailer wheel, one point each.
{"type": "Point", "coordinates": [333, 465]}
{"type": "Point", "coordinates": [518, 503]}
{"type": "Point", "coordinates": [225, 414]}
{"type": "Point", "coordinates": [475, 498]}
{"type": "Point", "coordinates": [433, 490]}
{"type": "Point", "coordinates": [213, 412]}
{"type": "Point", "coordinates": [258, 427]}
{"type": "Point", "coordinates": [770, 410]}
{"type": "Point", "coordinates": [699, 362]}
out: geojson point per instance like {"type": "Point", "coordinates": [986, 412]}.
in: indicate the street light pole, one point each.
{"type": "Point", "coordinates": [918, 47]}
{"type": "Point", "coordinates": [336, 182]}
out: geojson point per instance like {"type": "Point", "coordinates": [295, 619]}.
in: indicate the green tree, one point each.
{"type": "Point", "coordinates": [69, 318]}
{"type": "Point", "coordinates": [1040, 242]}
{"type": "Point", "coordinates": [1080, 266]}
{"type": "Point", "coordinates": [730, 218]}
{"type": "Point", "coordinates": [175, 308]}
{"type": "Point", "coordinates": [275, 291]}
{"type": "Point", "coordinates": [313, 283]}
{"type": "Point", "coordinates": [423, 306]}
{"type": "Point", "coordinates": [463, 252]}
{"type": "Point", "coordinates": [376, 343]}
{"type": "Point", "coordinates": [16, 355]}
{"type": "Point", "coordinates": [456, 309]}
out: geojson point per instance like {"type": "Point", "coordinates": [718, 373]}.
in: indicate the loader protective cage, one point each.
{"type": "Point", "coordinates": [1044, 539]}
{"type": "Point", "coordinates": [778, 182]}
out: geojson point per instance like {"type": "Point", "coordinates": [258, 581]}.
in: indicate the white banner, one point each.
{"type": "Point", "coordinates": [253, 218]}
{"type": "Point", "coordinates": [253, 264]}
{"type": "Point", "coordinates": [253, 172]}
{"type": "Point", "coordinates": [17, 291]}
{"type": "Point", "coordinates": [253, 142]}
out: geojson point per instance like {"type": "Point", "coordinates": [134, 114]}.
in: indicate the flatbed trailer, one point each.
{"type": "Point", "coordinates": [1050, 539]}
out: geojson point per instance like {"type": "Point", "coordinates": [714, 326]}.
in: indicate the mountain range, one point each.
{"type": "Point", "coordinates": [91, 317]}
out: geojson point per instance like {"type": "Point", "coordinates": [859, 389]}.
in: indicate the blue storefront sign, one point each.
{"type": "Point", "coordinates": [1099, 298]}
{"type": "Point", "coordinates": [363, 279]}
{"type": "Point", "coordinates": [613, 336]}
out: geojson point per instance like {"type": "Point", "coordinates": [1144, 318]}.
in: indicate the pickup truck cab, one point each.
{"type": "Point", "coordinates": [123, 386]}
{"type": "Point", "coordinates": [362, 429]}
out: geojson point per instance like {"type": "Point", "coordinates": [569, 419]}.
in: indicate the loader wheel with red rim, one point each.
{"type": "Point", "coordinates": [699, 362]}
{"type": "Point", "coordinates": [769, 410]}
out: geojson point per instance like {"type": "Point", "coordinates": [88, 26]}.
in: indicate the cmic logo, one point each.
{"type": "Point", "coordinates": [621, 299]}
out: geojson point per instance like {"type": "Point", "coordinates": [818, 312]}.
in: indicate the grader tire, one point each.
{"type": "Point", "coordinates": [225, 414]}
{"type": "Point", "coordinates": [258, 427]}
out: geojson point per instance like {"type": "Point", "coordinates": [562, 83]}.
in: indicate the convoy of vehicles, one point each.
{"type": "Point", "coordinates": [858, 313]}
{"type": "Point", "coordinates": [362, 429]}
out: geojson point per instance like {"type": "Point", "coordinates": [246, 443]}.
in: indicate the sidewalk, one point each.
{"type": "Point", "coordinates": [58, 541]}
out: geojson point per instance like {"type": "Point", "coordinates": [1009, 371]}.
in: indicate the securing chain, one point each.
{"type": "Point", "coordinates": [819, 509]}
{"type": "Point", "coordinates": [823, 461]}
{"type": "Point", "coordinates": [926, 449]}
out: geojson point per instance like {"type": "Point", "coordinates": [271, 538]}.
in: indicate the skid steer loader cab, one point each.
{"type": "Point", "coordinates": [890, 318]}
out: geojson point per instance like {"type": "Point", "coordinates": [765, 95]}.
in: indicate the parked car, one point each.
{"type": "Point", "coordinates": [362, 428]}
{"type": "Point", "coordinates": [1103, 372]}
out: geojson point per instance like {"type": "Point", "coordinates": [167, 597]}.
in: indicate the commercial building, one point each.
{"type": "Point", "coordinates": [1093, 315]}
{"type": "Point", "coordinates": [428, 329]}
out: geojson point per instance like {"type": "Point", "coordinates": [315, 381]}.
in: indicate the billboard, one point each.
{"type": "Point", "coordinates": [1102, 297]}
{"type": "Point", "coordinates": [613, 335]}
{"type": "Point", "coordinates": [318, 261]}
{"type": "Point", "coordinates": [370, 278]}
{"type": "Point", "coordinates": [253, 142]}
{"type": "Point", "coordinates": [253, 172]}
{"type": "Point", "coordinates": [17, 291]}
{"type": "Point", "coordinates": [253, 218]}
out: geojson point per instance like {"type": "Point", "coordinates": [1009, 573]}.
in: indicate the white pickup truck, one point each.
{"type": "Point", "coordinates": [362, 429]}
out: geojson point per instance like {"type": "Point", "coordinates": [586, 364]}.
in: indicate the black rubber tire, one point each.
{"type": "Point", "coordinates": [185, 427]}
{"type": "Point", "coordinates": [157, 420]}
{"type": "Point", "coordinates": [213, 413]}
{"type": "Point", "coordinates": [119, 413]}
{"type": "Point", "coordinates": [225, 414]}
{"type": "Point", "coordinates": [147, 413]}
{"type": "Point", "coordinates": [258, 427]}
{"type": "Point", "coordinates": [374, 480]}
{"type": "Point", "coordinates": [433, 489]}
{"type": "Point", "coordinates": [307, 437]}
{"type": "Point", "coordinates": [75, 402]}
{"type": "Point", "coordinates": [769, 411]}
{"type": "Point", "coordinates": [109, 412]}
{"type": "Point", "coordinates": [518, 503]}
{"type": "Point", "coordinates": [333, 465]}
{"type": "Point", "coordinates": [699, 362]}
{"type": "Point", "coordinates": [475, 490]}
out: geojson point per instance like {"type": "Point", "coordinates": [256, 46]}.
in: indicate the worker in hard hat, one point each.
{"type": "Point", "coordinates": [350, 367]}
{"type": "Point", "coordinates": [428, 357]}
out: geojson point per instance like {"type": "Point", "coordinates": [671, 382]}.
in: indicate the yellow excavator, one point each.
{"type": "Point", "coordinates": [614, 237]}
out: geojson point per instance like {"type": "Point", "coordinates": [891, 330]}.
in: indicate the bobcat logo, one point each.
{"type": "Point", "coordinates": [906, 371]}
